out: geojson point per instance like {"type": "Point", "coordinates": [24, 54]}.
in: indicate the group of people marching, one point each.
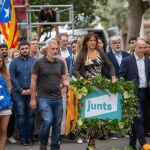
{"type": "Point", "coordinates": [32, 78]}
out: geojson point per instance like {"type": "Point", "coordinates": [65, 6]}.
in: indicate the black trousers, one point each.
{"type": "Point", "coordinates": [138, 131]}
{"type": "Point", "coordinates": [143, 95]}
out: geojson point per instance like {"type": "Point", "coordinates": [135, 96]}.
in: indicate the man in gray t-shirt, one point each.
{"type": "Point", "coordinates": [48, 75]}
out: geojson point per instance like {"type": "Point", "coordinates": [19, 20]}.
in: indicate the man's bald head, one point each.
{"type": "Point", "coordinates": [140, 46]}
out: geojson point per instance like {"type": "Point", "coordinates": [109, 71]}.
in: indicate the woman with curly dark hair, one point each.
{"type": "Point", "coordinates": [91, 61]}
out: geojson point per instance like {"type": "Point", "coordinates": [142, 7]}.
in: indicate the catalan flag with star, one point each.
{"type": "Point", "coordinates": [8, 23]}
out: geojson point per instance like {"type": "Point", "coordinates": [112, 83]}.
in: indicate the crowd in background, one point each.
{"type": "Point", "coordinates": [27, 71]}
{"type": "Point", "coordinates": [34, 81]}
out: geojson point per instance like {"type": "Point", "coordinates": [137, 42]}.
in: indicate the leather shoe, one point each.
{"type": "Point", "coordinates": [43, 147]}
{"type": "Point", "coordinates": [30, 142]}
{"type": "Point", "coordinates": [24, 143]}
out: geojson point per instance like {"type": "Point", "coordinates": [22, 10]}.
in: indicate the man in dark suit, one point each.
{"type": "Point", "coordinates": [116, 54]}
{"type": "Point", "coordinates": [136, 68]}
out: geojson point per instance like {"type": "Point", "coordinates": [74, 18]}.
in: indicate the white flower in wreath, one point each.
{"type": "Point", "coordinates": [1, 98]}
{"type": "Point", "coordinates": [0, 86]}
{"type": "Point", "coordinates": [79, 122]}
{"type": "Point", "coordinates": [126, 95]}
{"type": "Point", "coordinates": [121, 125]}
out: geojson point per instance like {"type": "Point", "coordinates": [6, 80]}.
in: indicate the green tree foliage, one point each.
{"type": "Point", "coordinates": [83, 9]}
{"type": "Point", "coordinates": [126, 14]}
{"type": "Point", "coordinates": [111, 12]}
{"type": "Point", "coordinates": [114, 14]}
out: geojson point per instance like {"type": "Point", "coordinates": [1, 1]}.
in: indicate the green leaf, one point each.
{"type": "Point", "coordinates": [93, 126]}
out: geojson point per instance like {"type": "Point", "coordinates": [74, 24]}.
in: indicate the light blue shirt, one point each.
{"type": "Point", "coordinates": [118, 56]}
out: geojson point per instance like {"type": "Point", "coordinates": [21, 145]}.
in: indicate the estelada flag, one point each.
{"type": "Point", "coordinates": [8, 23]}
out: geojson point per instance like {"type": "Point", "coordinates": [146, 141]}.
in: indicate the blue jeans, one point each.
{"type": "Point", "coordinates": [51, 115]}
{"type": "Point", "coordinates": [69, 62]}
{"type": "Point", "coordinates": [25, 116]}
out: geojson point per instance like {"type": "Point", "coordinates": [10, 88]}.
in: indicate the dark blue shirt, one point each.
{"type": "Point", "coordinates": [20, 72]}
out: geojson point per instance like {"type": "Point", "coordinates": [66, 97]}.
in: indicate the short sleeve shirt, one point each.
{"type": "Point", "coordinates": [48, 77]}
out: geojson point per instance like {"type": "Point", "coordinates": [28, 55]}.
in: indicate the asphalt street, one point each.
{"type": "Point", "coordinates": [120, 143]}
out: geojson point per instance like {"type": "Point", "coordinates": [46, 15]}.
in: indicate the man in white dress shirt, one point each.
{"type": "Point", "coordinates": [136, 68]}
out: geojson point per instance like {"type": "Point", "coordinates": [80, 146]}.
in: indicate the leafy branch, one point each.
{"type": "Point", "coordinates": [98, 127]}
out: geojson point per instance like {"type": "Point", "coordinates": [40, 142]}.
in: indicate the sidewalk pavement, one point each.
{"type": "Point", "coordinates": [100, 145]}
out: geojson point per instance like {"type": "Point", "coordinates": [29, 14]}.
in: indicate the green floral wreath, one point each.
{"type": "Point", "coordinates": [98, 127]}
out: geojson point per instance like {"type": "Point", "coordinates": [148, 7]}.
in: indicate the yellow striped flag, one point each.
{"type": "Point", "coordinates": [8, 23]}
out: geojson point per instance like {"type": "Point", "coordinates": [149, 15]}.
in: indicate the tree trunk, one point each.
{"type": "Point", "coordinates": [136, 11]}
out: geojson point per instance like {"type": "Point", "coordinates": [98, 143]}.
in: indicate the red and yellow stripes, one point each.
{"type": "Point", "coordinates": [10, 29]}
{"type": "Point", "coordinates": [72, 110]}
